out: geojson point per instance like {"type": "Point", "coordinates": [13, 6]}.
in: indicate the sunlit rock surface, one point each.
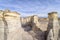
{"type": "Point", "coordinates": [14, 27]}
{"type": "Point", "coordinates": [1, 26]}
{"type": "Point", "coordinates": [10, 27]}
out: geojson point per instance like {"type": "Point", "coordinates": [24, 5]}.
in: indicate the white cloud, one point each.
{"type": "Point", "coordinates": [57, 1]}
{"type": "Point", "coordinates": [40, 15]}
{"type": "Point", "coordinates": [10, 5]}
{"type": "Point", "coordinates": [40, 8]}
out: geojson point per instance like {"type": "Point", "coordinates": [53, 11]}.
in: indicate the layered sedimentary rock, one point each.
{"type": "Point", "coordinates": [36, 30]}
{"type": "Point", "coordinates": [53, 26]}
{"type": "Point", "coordinates": [10, 27]}
{"type": "Point", "coordinates": [13, 27]}
{"type": "Point", "coordinates": [26, 20]}
{"type": "Point", "coordinates": [1, 26]}
{"type": "Point", "coordinates": [35, 22]}
{"type": "Point", "coordinates": [10, 24]}
{"type": "Point", "coordinates": [43, 23]}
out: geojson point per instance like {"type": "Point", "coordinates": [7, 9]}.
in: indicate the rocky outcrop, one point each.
{"type": "Point", "coordinates": [10, 27]}
{"type": "Point", "coordinates": [14, 27]}
{"type": "Point", "coordinates": [39, 33]}
{"type": "Point", "coordinates": [9, 22]}
{"type": "Point", "coordinates": [1, 26]}
{"type": "Point", "coordinates": [34, 27]}
{"type": "Point", "coordinates": [53, 26]}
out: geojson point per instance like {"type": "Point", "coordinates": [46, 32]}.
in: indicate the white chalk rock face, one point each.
{"type": "Point", "coordinates": [13, 28]}
{"type": "Point", "coordinates": [54, 25]}
{"type": "Point", "coordinates": [10, 27]}
{"type": "Point", "coordinates": [50, 35]}
{"type": "Point", "coordinates": [1, 26]}
{"type": "Point", "coordinates": [13, 22]}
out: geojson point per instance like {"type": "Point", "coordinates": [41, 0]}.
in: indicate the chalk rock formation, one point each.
{"type": "Point", "coordinates": [33, 25]}
{"type": "Point", "coordinates": [1, 26]}
{"type": "Point", "coordinates": [37, 28]}
{"type": "Point", "coordinates": [26, 20]}
{"type": "Point", "coordinates": [13, 27]}
{"type": "Point", "coordinates": [10, 27]}
{"type": "Point", "coordinates": [50, 35]}
{"type": "Point", "coordinates": [53, 26]}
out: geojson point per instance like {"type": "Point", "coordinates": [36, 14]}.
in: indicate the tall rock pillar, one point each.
{"type": "Point", "coordinates": [35, 23]}
{"type": "Point", "coordinates": [13, 29]}
{"type": "Point", "coordinates": [53, 26]}
{"type": "Point", "coordinates": [10, 27]}
{"type": "Point", "coordinates": [1, 26]}
{"type": "Point", "coordinates": [39, 35]}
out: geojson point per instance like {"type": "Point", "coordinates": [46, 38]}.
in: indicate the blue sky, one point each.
{"type": "Point", "coordinates": [31, 7]}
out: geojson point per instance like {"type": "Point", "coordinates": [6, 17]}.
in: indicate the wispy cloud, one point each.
{"type": "Point", "coordinates": [31, 7]}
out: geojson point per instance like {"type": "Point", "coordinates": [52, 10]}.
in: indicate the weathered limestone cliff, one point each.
{"type": "Point", "coordinates": [14, 27]}
{"type": "Point", "coordinates": [40, 26]}
{"type": "Point", "coordinates": [10, 27]}
{"type": "Point", "coordinates": [1, 26]}
{"type": "Point", "coordinates": [32, 26]}
{"type": "Point", "coordinates": [53, 26]}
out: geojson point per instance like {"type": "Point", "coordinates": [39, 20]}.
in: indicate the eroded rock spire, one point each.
{"type": "Point", "coordinates": [53, 26]}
